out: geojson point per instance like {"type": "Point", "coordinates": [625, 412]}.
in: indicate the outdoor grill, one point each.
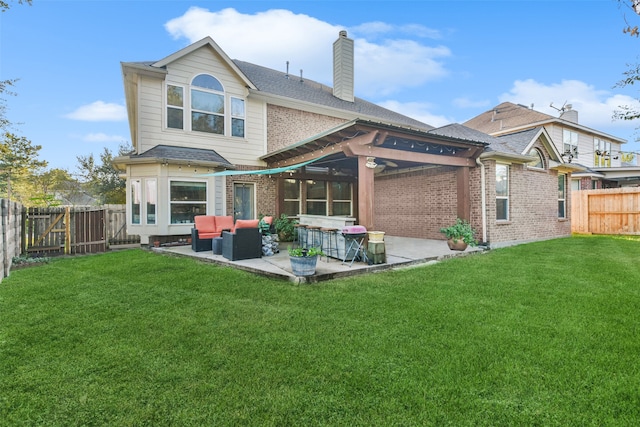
{"type": "Point", "coordinates": [355, 234]}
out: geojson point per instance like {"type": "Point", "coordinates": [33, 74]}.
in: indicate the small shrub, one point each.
{"type": "Point", "coordinates": [26, 260]}
{"type": "Point", "coordinates": [461, 230]}
{"type": "Point", "coordinates": [285, 228]}
{"type": "Point", "coordinates": [309, 252]}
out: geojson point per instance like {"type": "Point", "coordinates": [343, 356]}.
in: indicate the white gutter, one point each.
{"type": "Point", "coordinates": [483, 198]}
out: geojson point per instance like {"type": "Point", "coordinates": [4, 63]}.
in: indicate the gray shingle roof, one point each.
{"type": "Point", "coordinates": [458, 131]}
{"type": "Point", "coordinates": [184, 154]}
{"type": "Point", "coordinates": [289, 86]}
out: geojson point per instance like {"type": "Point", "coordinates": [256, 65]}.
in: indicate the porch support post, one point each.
{"type": "Point", "coordinates": [365, 194]}
{"type": "Point", "coordinates": [464, 193]}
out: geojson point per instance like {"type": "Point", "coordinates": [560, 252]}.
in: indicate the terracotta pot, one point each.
{"type": "Point", "coordinates": [457, 246]}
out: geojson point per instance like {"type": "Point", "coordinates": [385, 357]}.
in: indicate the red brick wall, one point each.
{"type": "Point", "coordinates": [416, 204]}
{"type": "Point", "coordinates": [286, 126]}
{"type": "Point", "coordinates": [533, 206]}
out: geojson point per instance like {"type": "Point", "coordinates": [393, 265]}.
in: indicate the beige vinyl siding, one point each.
{"type": "Point", "coordinates": [152, 126]}
{"type": "Point", "coordinates": [585, 145]}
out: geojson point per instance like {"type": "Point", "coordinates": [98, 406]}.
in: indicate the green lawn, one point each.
{"type": "Point", "coordinates": [546, 333]}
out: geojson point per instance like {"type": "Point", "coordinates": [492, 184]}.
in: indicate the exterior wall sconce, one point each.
{"type": "Point", "coordinates": [371, 162]}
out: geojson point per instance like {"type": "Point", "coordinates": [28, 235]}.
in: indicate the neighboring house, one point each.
{"type": "Point", "coordinates": [605, 163]}
{"type": "Point", "coordinates": [218, 136]}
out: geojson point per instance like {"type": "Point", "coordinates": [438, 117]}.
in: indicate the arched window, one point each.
{"type": "Point", "coordinates": [537, 159]}
{"type": "Point", "coordinates": [210, 109]}
{"type": "Point", "coordinates": [207, 104]}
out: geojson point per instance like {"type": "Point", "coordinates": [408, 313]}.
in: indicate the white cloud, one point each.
{"type": "Point", "coordinates": [99, 111]}
{"type": "Point", "coordinates": [417, 110]}
{"type": "Point", "coordinates": [382, 68]}
{"type": "Point", "coordinates": [595, 107]}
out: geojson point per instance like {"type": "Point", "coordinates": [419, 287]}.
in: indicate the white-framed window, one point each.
{"type": "Point", "coordinates": [502, 192]}
{"type": "Point", "coordinates": [203, 106]}
{"type": "Point", "coordinates": [207, 104]}
{"type": "Point", "coordinates": [601, 152]}
{"type": "Point", "coordinates": [175, 107]}
{"type": "Point", "coordinates": [151, 199]}
{"type": "Point", "coordinates": [237, 117]}
{"type": "Point", "coordinates": [186, 199]}
{"type": "Point", "coordinates": [537, 161]}
{"type": "Point", "coordinates": [291, 197]}
{"type": "Point", "coordinates": [562, 195]}
{"type": "Point", "coordinates": [570, 142]}
{"type": "Point", "coordinates": [135, 193]}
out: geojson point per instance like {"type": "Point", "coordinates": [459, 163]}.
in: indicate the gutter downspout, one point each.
{"type": "Point", "coordinates": [483, 198]}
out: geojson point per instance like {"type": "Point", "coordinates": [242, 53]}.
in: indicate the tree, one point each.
{"type": "Point", "coordinates": [4, 6]}
{"type": "Point", "coordinates": [632, 75]}
{"type": "Point", "coordinates": [18, 161]}
{"type": "Point", "coordinates": [103, 179]}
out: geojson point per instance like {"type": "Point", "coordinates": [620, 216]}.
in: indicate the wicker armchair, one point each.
{"type": "Point", "coordinates": [245, 242]}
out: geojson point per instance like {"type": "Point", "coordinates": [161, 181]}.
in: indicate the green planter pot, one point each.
{"type": "Point", "coordinates": [304, 265]}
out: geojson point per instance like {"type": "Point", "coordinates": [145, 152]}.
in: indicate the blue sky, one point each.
{"type": "Point", "coordinates": [437, 61]}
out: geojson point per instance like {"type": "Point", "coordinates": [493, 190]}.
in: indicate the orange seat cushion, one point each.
{"type": "Point", "coordinates": [247, 223]}
{"type": "Point", "coordinates": [224, 223]}
{"type": "Point", "coordinates": [205, 224]}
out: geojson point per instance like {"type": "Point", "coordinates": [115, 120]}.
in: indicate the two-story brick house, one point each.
{"type": "Point", "coordinates": [213, 135]}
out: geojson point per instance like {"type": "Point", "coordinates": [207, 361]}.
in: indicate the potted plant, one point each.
{"type": "Point", "coordinates": [285, 228]}
{"type": "Point", "coordinates": [459, 235]}
{"type": "Point", "coordinates": [303, 261]}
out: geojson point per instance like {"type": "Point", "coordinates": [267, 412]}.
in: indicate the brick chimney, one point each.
{"type": "Point", "coordinates": [343, 80]}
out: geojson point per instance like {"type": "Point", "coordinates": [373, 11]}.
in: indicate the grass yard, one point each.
{"type": "Point", "coordinates": [546, 333]}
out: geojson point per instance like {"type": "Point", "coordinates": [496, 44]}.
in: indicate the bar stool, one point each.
{"type": "Point", "coordinates": [314, 235]}
{"type": "Point", "coordinates": [331, 233]}
{"type": "Point", "coordinates": [301, 229]}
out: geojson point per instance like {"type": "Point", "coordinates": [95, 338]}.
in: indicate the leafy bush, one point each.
{"type": "Point", "coordinates": [461, 230]}
{"type": "Point", "coordinates": [309, 252]}
{"type": "Point", "coordinates": [285, 228]}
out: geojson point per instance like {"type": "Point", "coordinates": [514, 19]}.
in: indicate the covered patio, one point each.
{"type": "Point", "coordinates": [401, 252]}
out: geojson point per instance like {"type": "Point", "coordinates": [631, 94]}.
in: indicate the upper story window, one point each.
{"type": "Point", "coordinates": [204, 107]}
{"type": "Point", "coordinates": [601, 152]}
{"type": "Point", "coordinates": [570, 142]}
{"type": "Point", "coordinates": [237, 117]}
{"type": "Point", "coordinates": [537, 159]}
{"type": "Point", "coordinates": [175, 107]}
{"type": "Point", "coordinates": [207, 105]}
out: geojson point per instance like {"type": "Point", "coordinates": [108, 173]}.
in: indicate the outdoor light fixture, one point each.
{"type": "Point", "coordinates": [371, 162]}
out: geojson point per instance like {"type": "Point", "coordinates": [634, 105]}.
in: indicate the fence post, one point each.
{"type": "Point", "coordinates": [67, 230]}
{"type": "Point", "coordinates": [4, 244]}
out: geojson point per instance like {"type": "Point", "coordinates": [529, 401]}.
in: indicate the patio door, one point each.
{"type": "Point", "coordinates": [244, 200]}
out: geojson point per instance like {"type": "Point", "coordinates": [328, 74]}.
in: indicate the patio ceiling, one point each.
{"type": "Point", "coordinates": [403, 146]}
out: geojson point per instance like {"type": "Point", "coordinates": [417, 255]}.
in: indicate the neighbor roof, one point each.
{"type": "Point", "coordinates": [506, 116]}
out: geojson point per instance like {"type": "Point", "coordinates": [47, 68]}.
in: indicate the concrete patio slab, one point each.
{"type": "Point", "coordinates": [400, 252]}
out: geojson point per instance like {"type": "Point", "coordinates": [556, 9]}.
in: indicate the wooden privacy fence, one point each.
{"type": "Point", "coordinates": [75, 230]}
{"type": "Point", "coordinates": [610, 211]}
